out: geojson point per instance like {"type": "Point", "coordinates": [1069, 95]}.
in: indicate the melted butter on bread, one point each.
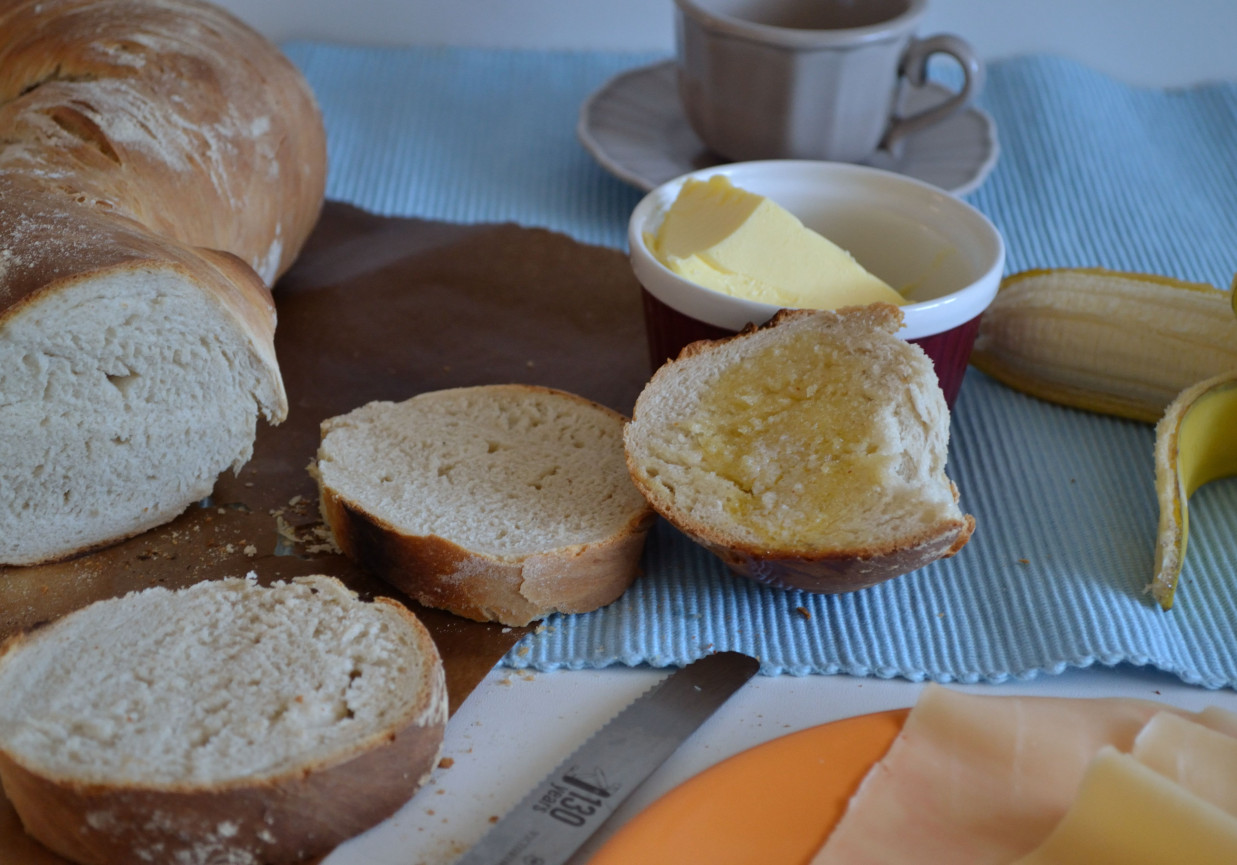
{"type": "Point", "coordinates": [798, 450]}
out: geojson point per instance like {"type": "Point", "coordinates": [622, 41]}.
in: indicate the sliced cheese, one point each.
{"type": "Point", "coordinates": [977, 779]}
{"type": "Point", "coordinates": [745, 245]}
{"type": "Point", "coordinates": [1129, 814]}
{"type": "Point", "coordinates": [1201, 760]}
{"type": "Point", "coordinates": [1220, 720]}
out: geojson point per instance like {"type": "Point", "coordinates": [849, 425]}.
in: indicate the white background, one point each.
{"type": "Point", "coordinates": [1168, 42]}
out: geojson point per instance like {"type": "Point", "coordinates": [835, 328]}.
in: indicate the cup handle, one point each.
{"type": "Point", "coordinates": [914, 68]}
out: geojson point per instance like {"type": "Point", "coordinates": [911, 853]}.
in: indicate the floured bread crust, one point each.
{"type": "Point", "coordinates": [172, 113]}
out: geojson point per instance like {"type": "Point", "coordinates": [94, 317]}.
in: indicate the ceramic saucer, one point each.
{"type": "Point", "coordinates": [635, 128]}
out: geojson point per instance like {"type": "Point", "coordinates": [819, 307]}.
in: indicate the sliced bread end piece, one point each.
{"type": "Point", "coordinates": [808, 453]}
{"type": "Point", "coordinates": [501, 503]}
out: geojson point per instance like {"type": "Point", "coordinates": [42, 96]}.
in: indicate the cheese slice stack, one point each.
{"type": "Point", "coordinates": [1129, 814]}
{"type": "Point", "coordinates": [1046, 781]}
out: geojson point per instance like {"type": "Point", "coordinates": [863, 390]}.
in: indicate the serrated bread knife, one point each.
{"type": "Point", "coordinates": [564, 810]}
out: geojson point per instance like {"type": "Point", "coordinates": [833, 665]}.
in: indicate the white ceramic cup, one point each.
{"type": "Point", "coordinates": [808, 79]}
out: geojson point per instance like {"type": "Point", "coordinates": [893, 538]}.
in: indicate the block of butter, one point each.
{"type": "Point", "coordinates": [738, 243]}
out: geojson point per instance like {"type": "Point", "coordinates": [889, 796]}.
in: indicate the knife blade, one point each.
{"type": "Point", "coordinates": [562, 812]}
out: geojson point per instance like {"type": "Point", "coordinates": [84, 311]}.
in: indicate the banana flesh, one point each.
{"type": "Point", "coordinates": [1124, 344]}
{"type": "Point", "coordinates": [1195, 442]}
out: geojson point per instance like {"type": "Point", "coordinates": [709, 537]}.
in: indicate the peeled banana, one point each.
{"type": "Point", "coordinates": [1195, 442]}
{"type": "Point", "coordinates": [1124, 344]}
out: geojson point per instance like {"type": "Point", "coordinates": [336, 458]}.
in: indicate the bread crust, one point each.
{"type": "Point", "coordinates": [174, 114]}
{"type": "Point", "coordinates": [835, 572]}
{"type": "Point", "coordinates": [287, 817]}
{"type": "Point", "coordinates": [829, 571]}
{"type": "Point", "coordinates": [441, 574]}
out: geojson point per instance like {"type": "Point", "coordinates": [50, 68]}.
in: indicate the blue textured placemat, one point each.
{"type": "Point", "coordinates": [1092, 172]}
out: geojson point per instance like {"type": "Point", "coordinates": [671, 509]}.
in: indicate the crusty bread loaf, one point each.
{"type": "Point", "coordinates": [807, 454]}
{"type": "Point", "coordinates": [225, 722]}
{"type": "Point", "coordinates": [498, 503]}
{"type": "Point", "coordinates": [171, 112]}
{"type": "Point", "coordinates": [160, 165]}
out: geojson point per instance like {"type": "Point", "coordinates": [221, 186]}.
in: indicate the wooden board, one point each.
{"type": "Point", "coordinates": [375, 308]}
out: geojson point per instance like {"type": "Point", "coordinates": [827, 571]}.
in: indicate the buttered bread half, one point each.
{"type": "Point", "coordinates": [807, 454]}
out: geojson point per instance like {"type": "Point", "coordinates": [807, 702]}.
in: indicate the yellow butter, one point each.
{"type": "Point", "coordinates": [745, 245]}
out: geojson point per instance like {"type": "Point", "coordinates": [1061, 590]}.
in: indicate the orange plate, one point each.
{"type": "Point", "coordinates": [774, 804]}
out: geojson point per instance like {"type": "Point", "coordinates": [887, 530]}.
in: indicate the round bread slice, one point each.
{"type": "Point", "coordinates": [226, 722]}
{"type": "Point", "coordinates": [501, 503]}
{"type": "Point", "coordinates": [807, 454]}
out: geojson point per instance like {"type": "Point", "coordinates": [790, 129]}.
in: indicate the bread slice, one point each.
{"type": "Point", "coordinates": [807, 454]}
{"type": "Point", "coordinates": [225, 722]}
{"type": "Point", "coordinates": [498, 503]}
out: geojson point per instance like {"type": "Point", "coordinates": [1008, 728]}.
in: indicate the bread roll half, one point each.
{"type": "Point", "coordinates": [498, 503]}
{"type": "Point", "coordinates": [807, 454]}
{"type": "Point", "coordinates": [225, 722]}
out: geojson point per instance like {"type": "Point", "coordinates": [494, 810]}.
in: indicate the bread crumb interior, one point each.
{"type": "Point", "coordinates": [220, 681]}
{"type": "Point", "coordinates": [499, 469]}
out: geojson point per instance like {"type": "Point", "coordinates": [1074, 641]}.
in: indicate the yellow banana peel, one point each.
{"type": "Point", "coordinates": [1145, 347]}
{"type": "Point", "coordinates": [1195, 442]}
{"type": "Point", "coordinates": [1107, 341]}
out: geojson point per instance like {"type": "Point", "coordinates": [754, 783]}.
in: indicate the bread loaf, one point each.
{"type": "Point", "coordinates": [498, 503]}
{"type": "Point", "coordinates": [225, 722]}
{"type": "Point", "coordinates": [160, 165]}
{"type": "Point", "coordinates": [807, 454]}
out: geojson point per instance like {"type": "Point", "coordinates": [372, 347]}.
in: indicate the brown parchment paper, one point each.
{"type": "Point", "coordinates": [375, 308]}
